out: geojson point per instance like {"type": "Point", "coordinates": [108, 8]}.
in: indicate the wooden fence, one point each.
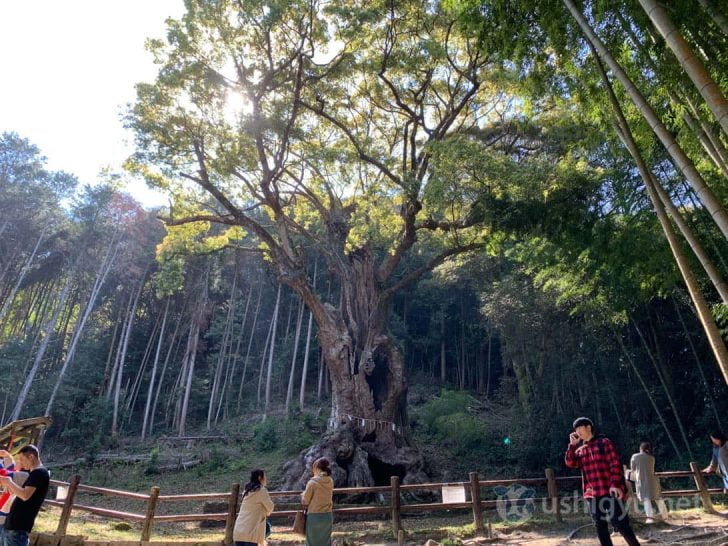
{"type": "Point", "coordinates": [396, 491]}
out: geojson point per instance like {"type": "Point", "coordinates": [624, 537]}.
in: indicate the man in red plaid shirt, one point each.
{"type": "Point", "coordinates": [603, 480]}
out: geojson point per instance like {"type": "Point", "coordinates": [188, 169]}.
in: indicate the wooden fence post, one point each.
{"type": "Point", "coordinates": [396, 520]}
{"type": "Point", "coordinates": [632, 506]}
{"type": "Point", "coordinates": [149, 518]}
{"type": "Point", "coordinates": [475, 499]}
{"type": "Point", "coordinates": [702, 489]}
{"type": "Point", "coordinates": [232, 512]}
{"type": "Point", "coordinates": [67, 506]}
{"type": "Point", "coordinates": [553, 493]}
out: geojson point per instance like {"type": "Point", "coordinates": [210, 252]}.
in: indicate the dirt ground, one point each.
{"type": "Point", "coordinates": [445, 529]}
{"type": "Point", "coordinates": [689, 527]}
{"type": "Point", "coordinates": [694, 529]}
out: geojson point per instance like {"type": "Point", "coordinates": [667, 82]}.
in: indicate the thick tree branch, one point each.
{"type": "Point", "coordinates": [227, 220]}
{"type": "Point", "coordinates": [415, 275]}
{"type": "Point", "coordinates": [359, 150]}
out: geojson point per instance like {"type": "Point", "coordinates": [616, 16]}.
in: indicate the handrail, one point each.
{"type": "Point", "coordinates": [394, 506]}
{"type": "Point", "coordinates": [112, 492]}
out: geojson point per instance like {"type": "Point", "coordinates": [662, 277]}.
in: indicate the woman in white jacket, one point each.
{"type": "Point", "coordinates": [256, 507]}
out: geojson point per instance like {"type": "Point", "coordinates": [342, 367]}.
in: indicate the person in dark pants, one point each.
{"type": "Point", "coordinates": [602, 479]}
{"type": "Point", "coordinates": [28, 498]}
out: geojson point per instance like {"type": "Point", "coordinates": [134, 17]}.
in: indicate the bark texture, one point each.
{"type": "Point", "coordinates": [368, 420]}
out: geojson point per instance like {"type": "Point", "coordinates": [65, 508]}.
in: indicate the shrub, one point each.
{"type": "Point", "coordinates": [462, 431]}
{"type": "Point", "coordinates": [448, 403]}
{"type": "Point", "coordinates": [265, 435]}
{"type": "Point", "coordinates": [153, 465]}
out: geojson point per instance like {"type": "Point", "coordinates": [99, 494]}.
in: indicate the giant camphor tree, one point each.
{"type": "Point", "coordinates": [317, 130]}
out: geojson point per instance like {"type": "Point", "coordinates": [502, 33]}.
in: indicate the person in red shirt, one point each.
{"type": "Point", "coordinates": [602, 479]}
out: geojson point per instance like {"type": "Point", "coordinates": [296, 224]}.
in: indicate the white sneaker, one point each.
{"type": "Point", "coordinates": [649, 520]}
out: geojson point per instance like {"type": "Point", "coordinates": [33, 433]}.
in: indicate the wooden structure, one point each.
{"type": "Point", "coordinates": [395, 508]}
{"type": "Point", "coordinates": [17, 434]}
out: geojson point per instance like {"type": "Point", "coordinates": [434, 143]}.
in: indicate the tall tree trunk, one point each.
{"type": "Point", "coordinates": [117, 356]}
{"type": "Point", "coordinates": [110, 355]}
{"type": "Point", "coordinates": [103, 272]}
{"type": "Point", "coordinates": [490, 346]}
{"type": "Point", "coordinates": [297, 336]}
{"type": "Point", "coordinates": [11, 297]}
{"type": "Point", "coordinates": [443, 368]}
{"type": "Point", "coordinates": [132, 394]}
{"type": "Point", "coordinates": [706, 318]}
{"type": "Point", "coordinates": [304, 371]}
{"type": "Point", "coordinates": [694, 352]}
{"type": "Point", "coordinates": [247, 351]}
{"type": "Point", "coordinates": [715, 14]}
{"type": "Point", "coordinates": [188, 383]}
{"type": "Point", "coordinates": [48, 329]}
{"type": "Point", "coordinates": [321, 366]}
{"type": "Point", "coordinates": [197, 320]}
{"type": "Point", "coordinates": [264, 356]}
{"type": "Point", "coordinates": [221, 357]}
{"type": "Point", "coordinates": [704, 83]}
{"type": "Point", "coordinates": [235, 355]}
{"type": "Point", "coordinates": [692, 240]}
{"type": "Point", "coordinates": [655, 407]}
{"type": "Point", "coordinates": [665, 388]}
{"type": "Point", "coordinates": [271, 352]}
{"type": "Point", "coordinates": [177, 391]}
{"type": "Point", "coordinates": [152, 379]}
{"type": "Point", "coordinates": [691, 115]}
{"type": "Point", "coordinates": [707, 197]}
{"type": "Point", "coordinates": [122, 358]}
{"type": "Point", "coordinates": [172, 347]}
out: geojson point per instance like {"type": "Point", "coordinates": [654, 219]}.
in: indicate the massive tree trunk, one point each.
{"type": "Point", "coordinates": [366, 440]}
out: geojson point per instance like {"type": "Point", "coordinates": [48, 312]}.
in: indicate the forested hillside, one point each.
{"type": "Point", "coordinates": [441, 227]}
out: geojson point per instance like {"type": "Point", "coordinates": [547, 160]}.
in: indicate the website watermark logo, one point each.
{"type": "Point", "coordinates": [515, 503]}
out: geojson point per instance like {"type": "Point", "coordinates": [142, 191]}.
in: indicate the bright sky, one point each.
{"type": "Point", "coordinates": [68, 69]}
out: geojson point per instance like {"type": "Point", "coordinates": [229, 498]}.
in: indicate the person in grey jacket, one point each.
{"type": "Point", "coordinates": [647, 485]}
{"type": "Point", "coordinates": [719, 460]}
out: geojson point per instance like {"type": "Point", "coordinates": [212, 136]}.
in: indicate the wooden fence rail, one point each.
{"type": "Point", "coordinates": [395, 508]}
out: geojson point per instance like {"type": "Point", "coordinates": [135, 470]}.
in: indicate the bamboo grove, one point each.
{"type": "Point", "coordinates": [525, 201]}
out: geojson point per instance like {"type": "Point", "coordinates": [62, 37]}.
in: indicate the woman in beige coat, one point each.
{"type": "Point", "coordinates": [318, 500]}
{"type": "Point", "coordinates": [647, 484]}
{"type": "Point", "coordinates": [256, 507]}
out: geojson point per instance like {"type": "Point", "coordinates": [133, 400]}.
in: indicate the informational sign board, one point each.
{"type": "Point", "coordinates": [61, 492]}
{"type": "Point", "coordinates": [453, 493]}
